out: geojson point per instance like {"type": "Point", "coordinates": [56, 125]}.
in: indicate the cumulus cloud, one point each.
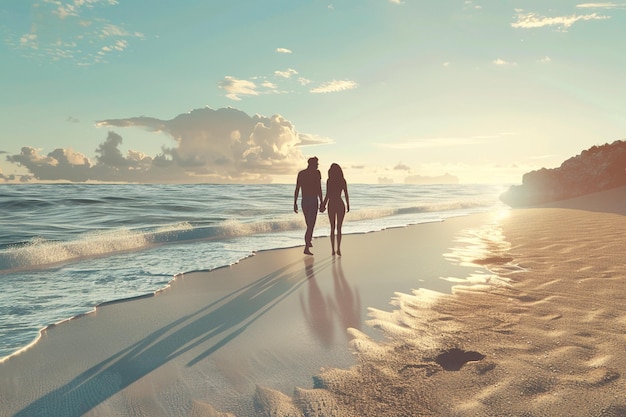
{"type": "Point", "coordinates": [218, 146]}
{"type": "Point", "coordinates": [60, 164]}
{"type": "Point", "coordinates": [7, 178]}
{"type": "Point", "coordinates": [229, 144]}
{"type": "Point", "coordinates": [532, 20]}
{"type": "Point", "coordinates": [283, 50]}
{"type": "Point", "coordinates": [334, 86]}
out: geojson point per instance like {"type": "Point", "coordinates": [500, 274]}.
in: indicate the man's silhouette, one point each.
{"type": "Point", "coordinates": [310, 181]}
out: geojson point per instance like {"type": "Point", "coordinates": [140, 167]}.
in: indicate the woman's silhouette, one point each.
{"type": "Point", "coordinates": [335, 184]}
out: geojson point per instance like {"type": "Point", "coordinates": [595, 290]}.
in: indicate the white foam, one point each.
{"type": "Point", "coordinates": [43, 252]}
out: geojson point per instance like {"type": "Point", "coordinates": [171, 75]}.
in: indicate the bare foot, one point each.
{"type": "Point", "coordinates": [333, 253]}
{"type": "Point", "coordinates": [308, 252]}
{"type": "Point", "coordinates": [339, 252]}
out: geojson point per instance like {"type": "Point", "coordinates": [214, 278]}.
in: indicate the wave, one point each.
{"type": "Point", "coordinates": [39, 252]}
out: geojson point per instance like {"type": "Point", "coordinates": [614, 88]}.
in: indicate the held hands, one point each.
{"type": "Point", "coordinates": [322, 208]}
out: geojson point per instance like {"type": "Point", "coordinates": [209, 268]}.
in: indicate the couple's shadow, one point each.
{"type": "Point", "coordinates": [321, 312]}
{"type": "Point", "coordinates": [204, 331]}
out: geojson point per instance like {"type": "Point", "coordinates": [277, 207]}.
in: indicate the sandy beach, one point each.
{"type": "Point", "coordinates": [495, 314]}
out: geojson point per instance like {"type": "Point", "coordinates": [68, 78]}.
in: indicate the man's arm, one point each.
{"type": "Point", "coordinates": [295, 194]}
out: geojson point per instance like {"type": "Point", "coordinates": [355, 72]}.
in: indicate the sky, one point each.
{"type": "Point", "coordinates": [245, 91]}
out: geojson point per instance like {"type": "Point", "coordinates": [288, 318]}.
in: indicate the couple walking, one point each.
{"type": "Point", "coordinates": [309, 180]}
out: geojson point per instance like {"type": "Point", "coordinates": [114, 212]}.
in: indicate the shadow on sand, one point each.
{"type": "Point", "coordinates": [212, 326]}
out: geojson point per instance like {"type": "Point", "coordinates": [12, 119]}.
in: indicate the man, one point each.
{"type": "Point", "coordinates": [310, 180]}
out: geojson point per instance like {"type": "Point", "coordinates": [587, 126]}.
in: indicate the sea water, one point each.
{"type": "Point", "coordinates": [65, 248]}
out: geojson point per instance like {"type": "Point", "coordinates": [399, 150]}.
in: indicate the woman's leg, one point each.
{"type": "Point", "coordinates": [340, 215]}
{"type": "Point", "coordinates": [332, 216]}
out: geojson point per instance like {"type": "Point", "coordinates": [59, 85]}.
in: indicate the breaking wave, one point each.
{"type": "Point", "coordinates": [40, 252]}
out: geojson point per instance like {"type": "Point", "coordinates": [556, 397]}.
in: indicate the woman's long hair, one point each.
{"type": "Point", "coordinates": [335, 173]}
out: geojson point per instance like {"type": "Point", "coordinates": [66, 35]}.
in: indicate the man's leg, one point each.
{"type": "Point", "coordinates": [309, 208]}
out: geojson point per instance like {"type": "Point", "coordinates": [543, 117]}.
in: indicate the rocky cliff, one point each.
{"type": "Point", "coordinates": [596, 169]}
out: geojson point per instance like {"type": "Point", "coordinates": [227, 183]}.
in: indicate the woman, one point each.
{"type": "Point", "coordinates": [336, 208]}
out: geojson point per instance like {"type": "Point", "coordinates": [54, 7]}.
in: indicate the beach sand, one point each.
{"type": "Point", "coordinates": [517, 313]}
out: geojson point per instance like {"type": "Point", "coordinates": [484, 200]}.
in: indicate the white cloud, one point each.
{"type": "Point", "coordinates": [220, 146]}
{"type": "Point", "coordinates": [29, 40]}
{"type": "Point", "coordinates": [545, 59]}
{"type": "Point", "coordinates": [60, 164]}
{"type": "Point", "coordinates": [502, 62]}
{"type": "Point", "coordinates": [601, 6]}
{"type": "Point", "coordinates": [304, 81]}
{"type": "Point", "coordinates": [532, 20]}
{"type": "Point", "coordinates": [334, 86]}
{"type": "Point", "coordinates": [395, 1]}
{"type": "Point", "coordinates": [65, 10]}
{"type": "Point", "coordinates": [59, 31]}
{"type": "Point", "coordinates": [228, 145]}
{"type": "Point", "coordinates": [110, 31]}
{"type": "Point", "coordinates": [286, 74]}
{"type": "Point", "coordinates": [283, 50]}
{"type": "Point", "coordinates": [470, 4]}
{"type": "Point", "coordinates": [236, 88]}
{"type": "Point", "coordinates": [307, 139]}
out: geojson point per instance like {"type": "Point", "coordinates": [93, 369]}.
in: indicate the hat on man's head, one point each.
{"type": "Point", "coordinates": [313, 160]}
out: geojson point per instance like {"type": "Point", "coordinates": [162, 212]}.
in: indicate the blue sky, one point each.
{"type": "Point", "coordinates": [245, 91]}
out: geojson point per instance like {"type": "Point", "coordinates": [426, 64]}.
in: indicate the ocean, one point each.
{"type": "Point", "coordinates": [65, 248]}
